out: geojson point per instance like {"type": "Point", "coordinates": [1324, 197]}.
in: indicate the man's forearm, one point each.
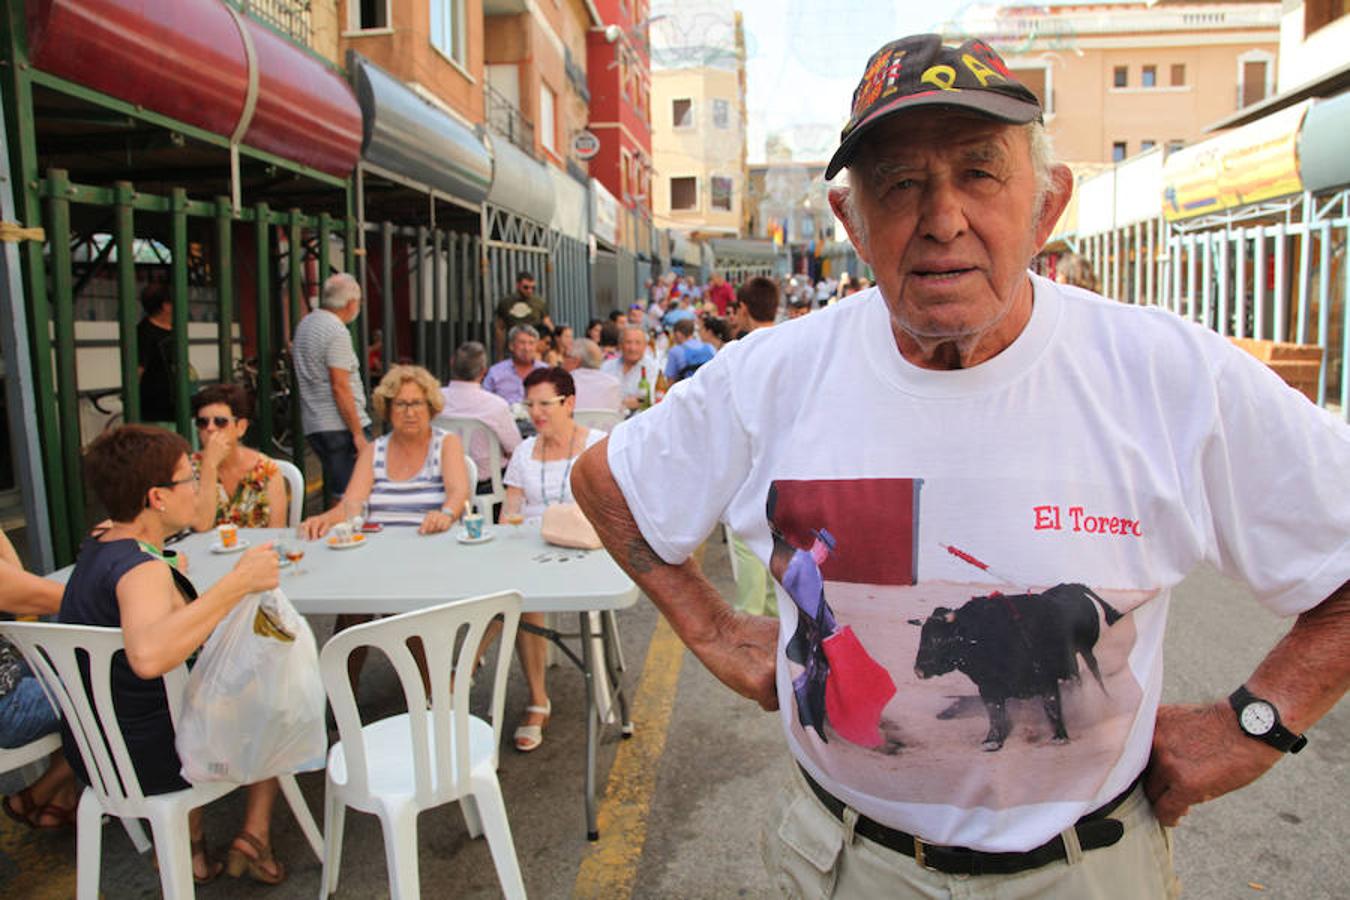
{"type": "Point", "coordinates": [1309, 669]}
{"type": "Point", "coordinates": [740, 650]}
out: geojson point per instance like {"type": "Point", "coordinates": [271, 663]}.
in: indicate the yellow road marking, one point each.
{"type": "Point", "coordinates": [610, 867]}
{"type": "Point", "coordinates": [42, 863]}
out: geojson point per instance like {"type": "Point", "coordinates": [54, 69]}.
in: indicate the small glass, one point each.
{"type": "Point", "coordinates": [515, 520]}
{"type": "Point", "coordinates": [292, 552]}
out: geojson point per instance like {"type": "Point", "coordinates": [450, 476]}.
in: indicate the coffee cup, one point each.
{"type": "Point", "coordinates": [473, 526]}
{"type": "Point", "coordinates": [342, 533]}
{"type": "Point", "coordinates": [228, 535]}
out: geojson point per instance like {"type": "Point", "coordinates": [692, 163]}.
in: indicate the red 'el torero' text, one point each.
{"type": "Point", "coordinates": [1049, 518]}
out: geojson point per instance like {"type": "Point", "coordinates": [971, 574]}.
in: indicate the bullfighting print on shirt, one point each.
{"type": "Point", "coordinates": [927, 666]}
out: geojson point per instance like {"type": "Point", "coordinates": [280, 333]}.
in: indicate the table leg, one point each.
{"type": "Point", "coordinates": [592, 728]}
{"type": "Point", "coordinates": [609, 632]}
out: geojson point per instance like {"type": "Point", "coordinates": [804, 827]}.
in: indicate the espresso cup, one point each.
{"type": "Point", "coordinates": [473, 526]}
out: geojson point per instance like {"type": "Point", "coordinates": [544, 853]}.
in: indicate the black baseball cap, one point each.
{"type": "Point", "coordinates": [920, 70]}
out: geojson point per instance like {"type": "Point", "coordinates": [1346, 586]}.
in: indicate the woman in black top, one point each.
{"type": "Point", "coordinates": [124, 579]}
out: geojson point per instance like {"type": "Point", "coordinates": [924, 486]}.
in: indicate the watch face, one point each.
{"type": "Point", "coordinates": [1257, 717]}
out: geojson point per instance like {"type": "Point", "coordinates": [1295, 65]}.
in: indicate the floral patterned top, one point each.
{"type": "Point", "coordinates": [249, 507]}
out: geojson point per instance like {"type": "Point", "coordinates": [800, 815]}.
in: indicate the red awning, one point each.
{"type": "Point", "coordinates": [188, 60]}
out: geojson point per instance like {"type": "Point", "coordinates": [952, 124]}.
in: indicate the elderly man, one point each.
{"type": "Point", "coordinates": [595, 389]}
{"type": "Point", "coordinates": [465, 398]}
{"type": "Point", "coordinates": [632, 367]}
{"type": "Point", "coordinates": [506, 378]}
{"type": "Point", "coordinates": [721, 293]}
{"type": "Point", "coordinates": [328, 375]}
{"type": "Point", "coordinates": [1012, 476]}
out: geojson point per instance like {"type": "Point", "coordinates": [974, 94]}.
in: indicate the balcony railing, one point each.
{"type": "Point", "coordinates": [506, 120]}
{"type": "Point", "coordinates": [290, 17]}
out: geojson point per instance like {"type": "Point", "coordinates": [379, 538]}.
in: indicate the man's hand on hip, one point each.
{"type": "Point", "coordinates": [1199, 753]}
{"type": "Point", "coordinates": [359, 439]}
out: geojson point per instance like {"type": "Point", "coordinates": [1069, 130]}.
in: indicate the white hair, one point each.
{"type": "Point", "coordinates": [339, 290]}
{"type": "Point", "coordinates": [1042, 167]}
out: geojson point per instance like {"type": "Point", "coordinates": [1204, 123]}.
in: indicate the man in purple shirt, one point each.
{"type": "Point", "coordinates": [465, 398]}
{"type": "Point", "coordinates": [506, 379]}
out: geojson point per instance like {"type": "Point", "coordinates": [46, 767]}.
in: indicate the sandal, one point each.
{"type": "Point", "coordinates": [529, 737]}
{"type": "Point", "coordinates": [54, 818]}
{"type": "Point", "coordinates": [263, 868]}
{"type": "Point", "coordinates": [213, 868]}
{"type": "Point", "coordinates": [27, 806]}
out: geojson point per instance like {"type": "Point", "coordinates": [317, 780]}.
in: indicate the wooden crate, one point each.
{"type": "Point", "coordinates": [1300, 365]}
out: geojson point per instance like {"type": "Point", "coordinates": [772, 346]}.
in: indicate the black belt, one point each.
{"type": "Point", "coordinates": [1094, 830]}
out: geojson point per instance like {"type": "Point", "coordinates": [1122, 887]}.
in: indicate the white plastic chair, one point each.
{"type": "Point", "coordinates": [55, 652]}
{"type": "Point", "coordinates": [466, 428]}
{"type": "Point", "coordinates": [295, 481]}
{"type": "Point", "coordinates": [12, 758]}
{"type": "Point", "coordinates": [399, 766]}
{"type": "Point", "coordinates": [599, 419]}
{"type": "Point", "coordinates": [471, 468]}
{"type": "Point", "coordinates": [728, 535]}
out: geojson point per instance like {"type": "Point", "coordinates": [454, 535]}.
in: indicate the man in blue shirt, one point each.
{"type": "Point", "coordinates": [687, 352]}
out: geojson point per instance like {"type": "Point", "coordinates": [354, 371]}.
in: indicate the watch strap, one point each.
{"type": "Point", "coordinates": [1278, 736]}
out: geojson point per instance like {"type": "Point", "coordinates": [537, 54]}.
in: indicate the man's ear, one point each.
{"type": "Point", "coordinates": [1056, 199]}
{"type": "Point", "coordinates": [839, 203]}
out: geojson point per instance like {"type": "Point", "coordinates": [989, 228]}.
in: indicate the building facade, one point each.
{"type": "Point", "coordinates": [698, 118]}
{"type": "Point", "coordinates": [1118, 77]}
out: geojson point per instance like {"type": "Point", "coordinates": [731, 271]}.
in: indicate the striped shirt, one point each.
{"type": "Point", "coordinates": [321, 343]}
{"type": "Point", "coordinates": [407, 502]}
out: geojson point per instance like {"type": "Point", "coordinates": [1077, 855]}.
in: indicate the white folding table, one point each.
{"type": "Point", "coordinates": [398, 570]}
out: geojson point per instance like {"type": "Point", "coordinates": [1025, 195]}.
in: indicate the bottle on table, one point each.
{"type": "Point", "coordinates": [644, 389]}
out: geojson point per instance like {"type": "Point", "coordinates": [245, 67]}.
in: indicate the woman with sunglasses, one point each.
{"type": "Point", "coordinates": [538, 475]}
{"type": "Point", "coordinates": [123, 578]}
{"type": "Point", "coordinates": [238, 485]}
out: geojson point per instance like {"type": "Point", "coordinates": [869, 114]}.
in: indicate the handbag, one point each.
{"type": "Point", "coordinates": [566, 525]}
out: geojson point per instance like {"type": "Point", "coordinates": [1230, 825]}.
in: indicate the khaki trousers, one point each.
{"type": "Point", "coordinates": [809, 855]}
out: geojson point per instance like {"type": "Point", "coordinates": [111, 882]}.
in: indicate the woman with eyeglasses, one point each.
{"type": "Point", "coordinates": [124, 578]}
{"type": "Point", "coordinates": [538, 475]}
{"type": "Point", "coordinates": [238, 485]}
{"type": "Point", "coordinates": [414, 476]}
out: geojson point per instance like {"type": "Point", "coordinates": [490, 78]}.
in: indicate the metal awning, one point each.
{"type": "Point", "coordinates": [410, 137]}
{"type": "Point", "coordinates": [1322, 161]}
{"type": "Point", "coordinates": [205, 64]}
{"type": "Point", "coordinates": [727, 251]}
{"type": "Point", "coordinates": [519, 184]}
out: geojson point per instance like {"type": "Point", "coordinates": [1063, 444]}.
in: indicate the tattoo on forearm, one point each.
{"type": "Point", "coordinates": [641, 557]}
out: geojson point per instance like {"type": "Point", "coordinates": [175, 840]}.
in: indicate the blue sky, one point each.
{"type": "Point", "coordinates": [804, 57]}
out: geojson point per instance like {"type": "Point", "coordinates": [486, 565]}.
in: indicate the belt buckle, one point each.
{"type": "Point", "coordinates": [919, 855]}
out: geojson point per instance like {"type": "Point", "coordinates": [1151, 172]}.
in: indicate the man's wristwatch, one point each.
{"type": "Point", "coordinates": [1261, 720]}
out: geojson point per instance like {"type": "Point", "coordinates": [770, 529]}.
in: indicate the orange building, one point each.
{"type": "Point", "coordinates": [1118, 77]}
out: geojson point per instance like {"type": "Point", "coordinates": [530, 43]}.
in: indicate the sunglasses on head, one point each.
{"type": "Point", "coordinates": [218, 421]}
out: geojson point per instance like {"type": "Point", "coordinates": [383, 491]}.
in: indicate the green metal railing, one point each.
{"type": "Point", "coordinates": [277, 306]}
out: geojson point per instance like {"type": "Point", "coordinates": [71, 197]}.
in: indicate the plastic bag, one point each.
{"type": "Point", "coordinates": [254, 703]}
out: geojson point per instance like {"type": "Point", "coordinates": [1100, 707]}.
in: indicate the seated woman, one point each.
{"type": "Point", "coordinates": [238, 485]}
{"type": "Point", "coordinates": [25, 713]}
{"type": "Point", "coordinates": [540, 474]}
{"type": "Point", "coordinates": [414, 476]}
{"type": "Point", "coordinates": [122, 578]}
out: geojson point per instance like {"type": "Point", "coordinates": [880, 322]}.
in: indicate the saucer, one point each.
{"type": "Point", "coordinates": [241, 544]}
{"type": "Point", "coordinates": [465, 539]}
{"type": "Point", "coordinates": [356, 541]}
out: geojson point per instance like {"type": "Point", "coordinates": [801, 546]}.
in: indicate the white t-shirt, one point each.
{"type": "Point", "coordinates": [1102, 455]}
{"type": "Point", "coordinates": [544, 483]}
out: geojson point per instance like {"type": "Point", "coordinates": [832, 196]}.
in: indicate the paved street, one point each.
{"type": "Point", "coordinates": [696, 779]}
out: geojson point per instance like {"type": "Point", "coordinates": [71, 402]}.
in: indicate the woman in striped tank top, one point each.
{"type": "Point", "coordinates": [415, 475]}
